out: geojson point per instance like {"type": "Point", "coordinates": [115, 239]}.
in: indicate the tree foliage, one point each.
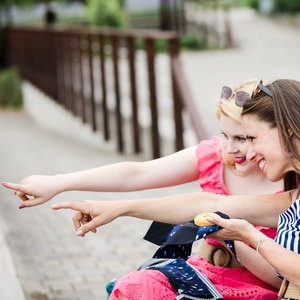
{"type": "Point", "coordinates": [105, 13]}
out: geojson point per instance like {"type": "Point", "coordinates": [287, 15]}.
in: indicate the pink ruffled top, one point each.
{"type": "Point", "coordinates": [211, 166]}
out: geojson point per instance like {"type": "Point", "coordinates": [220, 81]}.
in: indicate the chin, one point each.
{"type": "Point", "coordinates": [245, 168]}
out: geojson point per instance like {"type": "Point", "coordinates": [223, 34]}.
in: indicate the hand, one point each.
{"type": "Point", "coordinates": [90, 214]}
{"type": "Point", "coordinates": [232, 229]}
{"type": "Point", "coordinates": [34, 190]}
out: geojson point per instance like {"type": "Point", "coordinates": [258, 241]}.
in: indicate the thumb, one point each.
{"type": "Point", "coordinates": [215, 220]}
{"type": "Point", "coordinates": [84, 229]}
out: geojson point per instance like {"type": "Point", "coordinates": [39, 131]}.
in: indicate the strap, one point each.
{"type": "Point", "coordinates": [288, 290]}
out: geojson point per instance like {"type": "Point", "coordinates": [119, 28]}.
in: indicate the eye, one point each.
{"type": "Point", "coordinates": [224, 134]}
{"type": "Point", "coordinates": [250, 138]}
{"type": "Point", "coordinates": [241, 139]}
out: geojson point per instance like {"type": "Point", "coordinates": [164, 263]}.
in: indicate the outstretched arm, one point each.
{"type": "Point", "coordinates": [178, 168]}
{"type": "Point", "coordinates": [261, 210]}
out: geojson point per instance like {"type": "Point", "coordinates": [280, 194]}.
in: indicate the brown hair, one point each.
{"type": "Point", "coordinates": [281, 111]}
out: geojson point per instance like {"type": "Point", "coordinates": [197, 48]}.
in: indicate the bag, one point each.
{"type": "Point", "coordinates": [218, 256]}
{"type": "Point", "coordinates": [288, 290]}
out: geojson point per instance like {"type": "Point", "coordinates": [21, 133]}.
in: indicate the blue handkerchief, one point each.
{"type": "Point", "coordinates": [180, 240]}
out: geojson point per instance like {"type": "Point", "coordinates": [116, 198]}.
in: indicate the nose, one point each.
{"type": "Point", "coordinates": [251, 155]}
{"type": "Point", "coordinates": [230, 147]}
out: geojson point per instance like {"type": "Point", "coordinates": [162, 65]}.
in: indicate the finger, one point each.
{"type": "Point", "coordinates": [70, 205]}
{"type": "Point", "coordinates": [76, 220]}
{"type": "Point", "coordinates": [31, 202]}
{"type": "Point", "coordinates": [214, 219]}
{"type": "Point", "coordinates": [22, 195]}
{"type": "Point", "coordinates": [84, 229]}
{"type": "Point", "coordinates": [14, 186]}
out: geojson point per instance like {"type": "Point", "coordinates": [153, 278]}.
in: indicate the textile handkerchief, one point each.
{"type": "Point", "coordinates": [187, 281]}
{"type": "Point", "coordinates": [180, 240]}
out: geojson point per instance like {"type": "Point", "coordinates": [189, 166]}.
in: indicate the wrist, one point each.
{"type": "Point", "coordinates": [252, 236]}
{"type": "Point", "coordinates": [261, 243]}
{"type": "Point", "coordinates": [60, 183]}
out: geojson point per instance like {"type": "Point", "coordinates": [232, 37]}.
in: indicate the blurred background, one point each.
{"type": "Point", "coordinates": [87, 83]}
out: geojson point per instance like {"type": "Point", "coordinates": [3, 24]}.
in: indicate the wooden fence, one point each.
{"type": "Point", "coordinates": [103, 78]}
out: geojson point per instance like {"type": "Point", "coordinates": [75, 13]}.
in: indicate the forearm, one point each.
{"type": "Point", "coordinates": [174, 169]}
{"type": "Point", "coordinates": [175, 209]}
{"type": "Point", "coordinates": [183, 208]}
{"type": "Point", "coordinates": [256, 264]}
{"type": "Point", "coordinates": [284, 261]}
{"type": "Point", "coordinates": [111, 178]}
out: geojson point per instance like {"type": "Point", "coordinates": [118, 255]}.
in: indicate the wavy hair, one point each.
{"type": "Point", "coordinates": [281, 111]}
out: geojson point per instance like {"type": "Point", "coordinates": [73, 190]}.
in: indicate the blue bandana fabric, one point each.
{"type": "Point", "coordinates": [187, 281]}
{"type": "Point", "coordinates": [180, 240]}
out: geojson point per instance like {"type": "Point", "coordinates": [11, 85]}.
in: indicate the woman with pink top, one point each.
{"type": "Point", "coordinates": [220, 165]}
{"type": "Point", "coordinates": [222, 169]}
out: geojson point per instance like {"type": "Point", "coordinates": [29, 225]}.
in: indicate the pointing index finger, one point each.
{"type": "Point", "coordinates": [69, 205]}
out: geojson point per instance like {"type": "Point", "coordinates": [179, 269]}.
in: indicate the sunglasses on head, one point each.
{"type": "Point", "coordinates": [260, 87]}
{"type": "Point", "coordinates": [241, 97]}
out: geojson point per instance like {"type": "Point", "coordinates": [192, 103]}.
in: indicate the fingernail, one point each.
{"type": "Point", "coordinates": [79, 232]}
{"type": "Point", "coordinates": [4, 183]}
{"type": "Point", "coordinates": [22, 206]}
{"type": "Point", "coordinates": [15, 193]}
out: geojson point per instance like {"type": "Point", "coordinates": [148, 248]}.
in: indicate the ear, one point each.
{"type": "Point", "coordinates": [291, 133]}
{"type": "Point", "coordinates": [287, 152]}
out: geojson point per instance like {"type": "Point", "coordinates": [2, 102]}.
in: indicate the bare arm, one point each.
{"type": "Point", "coordinates": [284, 261]}
{"type": "Point", "coordinates": [256, 264]}
{"type": "Point", "coordinates": [178, 168]}
{"type": "Point", "coordinates": [261, 210]}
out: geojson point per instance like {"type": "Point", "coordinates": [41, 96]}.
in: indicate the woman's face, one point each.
{"type": "Point", "coordinates": [264, 148]}
{"type": "Point", "coordinates": [235, 144]}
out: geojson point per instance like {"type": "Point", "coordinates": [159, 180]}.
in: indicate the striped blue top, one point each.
{"type": "Point", "coordinates": [288, 232]}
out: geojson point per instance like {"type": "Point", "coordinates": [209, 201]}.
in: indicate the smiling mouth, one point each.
{"type": "Point", "coordinates": [262, 164]}
{"type": "Point", "coordinates": [239, 160]}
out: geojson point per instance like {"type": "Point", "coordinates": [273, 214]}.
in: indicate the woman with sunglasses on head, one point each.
{"type": "Point", "coordinates": [220, 165]}
{"type": "Point", "coordinates": [270, 120]}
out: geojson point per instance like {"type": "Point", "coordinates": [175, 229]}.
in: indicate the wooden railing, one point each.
{"type": "Point", "coordinates": [100, 76]}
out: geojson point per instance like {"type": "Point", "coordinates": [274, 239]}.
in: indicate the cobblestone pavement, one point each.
{"type": "Point", "coordinates": [51, 261]}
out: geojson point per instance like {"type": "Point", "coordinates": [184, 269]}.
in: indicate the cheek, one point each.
{"type": "Point", "coordinates": [224, 143]}
{"type": "Point", "coordinates": [243, 148]}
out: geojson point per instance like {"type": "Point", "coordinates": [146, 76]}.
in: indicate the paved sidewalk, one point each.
{"type": "Point", "coordinates": [50, 261]}
{"type": "Point", "coordinates": [40, 254]}
{"type": "Point", "coordinates": [266, 49]}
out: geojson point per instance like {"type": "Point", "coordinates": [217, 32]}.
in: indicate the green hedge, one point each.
{"type": "Point", "coordinates": [10, 88]}
{"type": "Point", "coordinates": [287, 6]}
{"type": "Point", "coordinates": [280, 6]}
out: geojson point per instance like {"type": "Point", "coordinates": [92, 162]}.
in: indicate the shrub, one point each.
{"type": "Point", "coordinates": [10, 88]}
{"type": "Point", "coordinates": [105, 13]}
{"type": "Point", "coordinates": [192, 42]}
{"type": "Point", "coordinates": [287, 6]}
{"type": "Point", "coordinates": [253, 4]}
